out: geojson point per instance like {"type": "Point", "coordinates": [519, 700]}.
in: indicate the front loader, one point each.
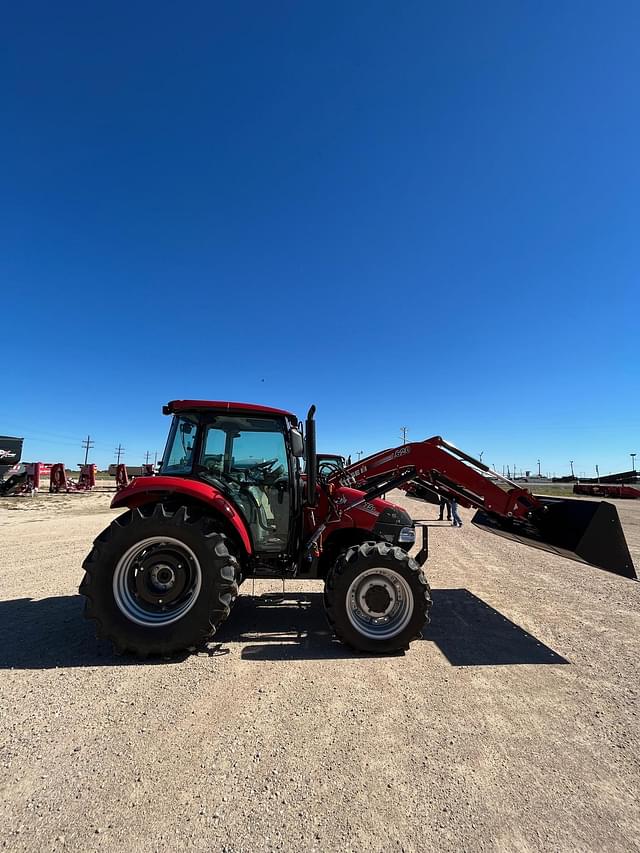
{"type": "Point", "coordinates": [230, 502]}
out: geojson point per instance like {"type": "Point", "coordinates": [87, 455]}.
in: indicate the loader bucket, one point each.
{"type": "Point", "coordinates": [586, 531]}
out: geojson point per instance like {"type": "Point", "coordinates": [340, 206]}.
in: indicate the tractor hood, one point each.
{"type": "Point", "coordinates": [345, 495]}
{"type": "Point", "coordinates": [386, 521]}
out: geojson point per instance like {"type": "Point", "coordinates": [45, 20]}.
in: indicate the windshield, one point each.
{"type": "Point", "coordinates": [329, 463]}
{"type": "Point", "coordinates": [178, 455]}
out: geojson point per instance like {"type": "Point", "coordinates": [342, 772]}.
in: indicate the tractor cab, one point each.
{"type": "Point", "coordinates": [329, 463]}
{"type": "Point", "coordinates": [250, 454]}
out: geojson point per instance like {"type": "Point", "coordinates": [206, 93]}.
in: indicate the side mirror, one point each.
{"type": "Point", "coordinates": [297, 442]}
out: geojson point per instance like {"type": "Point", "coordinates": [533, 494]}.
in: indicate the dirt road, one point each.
{"type": "Point", "coordinates": [512, 726]}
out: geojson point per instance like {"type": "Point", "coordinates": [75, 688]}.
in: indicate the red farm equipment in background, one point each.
{"type": "Point", "coordinates": [230, 502]}
{"type": "Point", "coordinates": [607, 490]}
{"type": "Point", "coordinates": [16, 477]}
{"type": "Point", "coordinates": [59, 482]}
{"type": "Point", "coordinates": [124, 476]}
{"type": "Point", "coordinates": [22, 479]}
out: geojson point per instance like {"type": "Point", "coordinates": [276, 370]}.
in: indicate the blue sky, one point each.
{"type": "Point", "coordinates": [413, 214]}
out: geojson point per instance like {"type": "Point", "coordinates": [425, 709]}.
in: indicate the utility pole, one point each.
{"type": "Point", "coordinates": [404, 430]}
{"type": "Point", "coordinates": [597, 474]}
{"type": "Point", "coordinates": [359, 452]}
{"type": "Point", "coordinates": [146, 457]}
{"type": "Point", "coordinates": [633, 462]}
{"type": "Point", "coordinates": [539, 474]}
{"type": "Point", "coordinates": [87, 443]}
{"type": "Point", "coordinates": [571, 463]}
{"type": "Point", "coordinates": [155, 458]}
{"type": "Point", "coordinates": [119, 451]}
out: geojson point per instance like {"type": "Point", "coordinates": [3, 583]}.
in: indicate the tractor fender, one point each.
{"type": "Point", "coordinates": [146, 489]}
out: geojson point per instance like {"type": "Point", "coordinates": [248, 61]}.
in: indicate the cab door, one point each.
{"type": "Point", "coordinates": [248, 457]}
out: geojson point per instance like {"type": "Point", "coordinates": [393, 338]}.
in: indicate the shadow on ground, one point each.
{"type": "Point", "coordinates": [469, 632]}
{"type": "Point", "coordinates": [52, 632]}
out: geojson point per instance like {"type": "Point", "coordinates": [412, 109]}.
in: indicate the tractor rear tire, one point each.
{"type": "Point", "coordinates": [159, 581]}
{"type": "Point", "coordinates": [376, 598]}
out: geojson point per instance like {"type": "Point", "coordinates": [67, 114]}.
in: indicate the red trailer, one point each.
{"type": "Point", "coordinates": [606, 490]}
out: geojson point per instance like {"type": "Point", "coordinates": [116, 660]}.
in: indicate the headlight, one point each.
{"type": "Point", "coordinates": [407, 534]}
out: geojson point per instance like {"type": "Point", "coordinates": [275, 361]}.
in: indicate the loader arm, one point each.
{"type": "Point", "coordinates": [587, 531]}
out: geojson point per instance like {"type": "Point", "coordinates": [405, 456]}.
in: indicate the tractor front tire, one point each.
{"type": "Point", "coordinates": [376, 598]}
{"type": "Point", "coordinates": [159, 581]}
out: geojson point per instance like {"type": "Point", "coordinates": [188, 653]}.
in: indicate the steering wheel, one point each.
{"type": "Point", "coordinates": [265, 467]}
{"type": "Point", "coordinates": [326, 469]}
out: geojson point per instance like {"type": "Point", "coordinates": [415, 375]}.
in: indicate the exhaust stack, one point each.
{"type": "Point", "coordinates": [311, 464]}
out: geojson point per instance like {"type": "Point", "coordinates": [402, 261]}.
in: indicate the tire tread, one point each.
{"type": "Point", "coordinates": [345, 563]}
{"type": "Point", "coordinates": [222, 563]}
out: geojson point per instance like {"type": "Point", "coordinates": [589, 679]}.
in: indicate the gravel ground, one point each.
{"type": "Point", "coordinates": [512, 726]}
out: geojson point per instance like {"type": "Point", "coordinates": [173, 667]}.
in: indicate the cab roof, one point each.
{"type": "Point", "coordinates": [224, 406]}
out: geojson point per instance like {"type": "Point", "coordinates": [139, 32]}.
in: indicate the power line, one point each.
{"type": "Point", "coordinates": [87, 444]}
{"type": "Point", "coordinates": [404, 430]}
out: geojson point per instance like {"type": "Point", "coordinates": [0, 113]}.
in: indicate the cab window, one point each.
{"type": "Point", "coordinates": [247, 459]}
{"type": "Point", "coordinates": [178, 457]}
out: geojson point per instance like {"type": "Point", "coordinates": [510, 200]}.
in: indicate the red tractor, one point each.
{"type": "Point", "coordinates": [230, 503]}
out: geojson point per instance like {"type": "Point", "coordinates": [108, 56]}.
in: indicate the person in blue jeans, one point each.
{"type": "Point", "coordinates": [457, 521]}
{"type": "Point", "coordinates": [444, 504]}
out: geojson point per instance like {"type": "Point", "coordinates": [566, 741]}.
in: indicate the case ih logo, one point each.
{"type": "Point", "coordinates": [350, 478]}
{"type": "Point", "coordinates": [7, 454]}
